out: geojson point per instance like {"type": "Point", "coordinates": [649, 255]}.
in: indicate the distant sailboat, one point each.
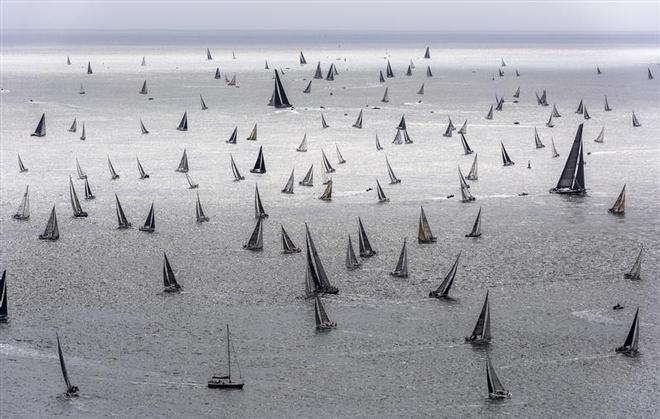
{"type": "Point", "coordinates": [466, 196]}
{"type": "Point", "coordinates": [380, 77]}
{"type": "Point", "coordinates": [352, 261]}
{"type": "Point", "coordinates": [607, 105]}
{"type": "Point", "coordinates": [427, 53]}
{"type": "Point", "coordinates": [183, 163]}
{"type": "Point", "coordinates": [323, 322]}
{"type": "Point", "coordinates": [225, 382]}
{"type": "Point", "coordinates": [217, 75]}
{"type": "Point", "coordinates": [83, 135]}
{"type": "Point", "coordinates": [81, 91]}
{"type": "Point", "coordinates": [571, 180]}
{"type": "Point", "coordinates": [631, 345]}
{"type": "Point", "coordinates": [506, 160]}
{"type": "Point", "coordinates": [401, 269]}
{"type": "Point", "coordinates": [481, 332]}
{"type": "Point", "coordinates": [303, 61]}
{"type": "Point", "coordinates": [635, 272]}
{"type": "Point", "coordinates": [543, 100]}
{"type": "Point", "coordinates": [516, 94]}
{"type": "Point", "coordinates": [598, 70]}
{"type": "Point", "coordinates": [649, 74]}
{"type": "Point", "coordinates": [619, 207]}
{"type": "Point", "coordinates": [463, 129]}
{"type": "Point", "coordinates": [555, 113]}
{"type": "Point", "coordinates": [260, 164]}
{"type": "Point", "coordinates": [585, 113]}
{"type": "Point", "coordinates": [144, 61]}
{"type": "Point", "coordinates": [327, 193]}
{"type": "Point", "coordinates": [191, 183]}
{"type": "Point", "coordinates": [409, 71]}
{"type": "Point", "coordinates": [288, 188]}
{"type": "Point", "coordinates": [169, 280]}
{"type": "Point", "coordinates": [448, 131]}
{"type": "Point", "coordinates": [340, 158]}
{"type": "Point", "coordinates": [232, 82]}
{"type": "Point", "coordinates": [331, 73]}
{"type": "Point", "coordinates": [386, 96]}
{"type": "Point", "coordinates": [601, 136]}
{"type": "Point", "coordinates": [443, 290]}
{"type": "Point", "coordinates": [201, 99]}
{"type": "Point", "coordinates": [390, 172]}
{"type": "Point", "coordinates": [21, 166]}
{"type": "Point", "coordinates": [323, 123]}
{"type": "Point", "coordinates": [473, 175]}
{"type": "Point", "coordinates": [52, 232]}
{"type": "Point", "coordinates": [495, 388]}
{"type": "Point", "coordinates": [554, 149]}
{"type": "Point", "coordinates": [89, 68]}
{"type": "Point", "coordinates": [233, 138]}
{"type": "Point", "coordinates": [308, 89]}
{"type": "Point", "coordinates": [466, 147]}
{"type": "Point", "coordinates": [40, 131]}
{"type": "Point", "coordinates": [580, 108]}
{"type": "Point", "coordinates": [489, 116]}
{"type": "Point", "coordinates": [303, 145]}
{"type": "Point", "coordinates": [319, 73]}
{"type": "Point", "coordinates": [23, 212]}
{"type": "Point", "coordinates": [122, 222]}
{"type": "Point", "coordinates": [68, 60]}
{"type": "Point", "coordinates": [388, 71]}
{"type": "Point", "coordinates": [143, 129]}
{"type": "Point", "coordinates": [208, 54]}
{"type": "Point", "coordinates": [378, 146]}
{"type": "Point", "coordinates": [308, 180]}
{"type": "Point", "coordinates": [363, 242]}
{"type": "Point", "coordinates": [71, 390]}
{"type": "Point", "coordinates": [424, 234]}
{"type": "Point", "coordinates": [287, 244]}
{"type": "Point", "coordinates": [113, 174]}
{"type": "Point", "coordinates": [279, 98]}
{"type": "Point", "coordinates": [316, 279]}
{"type": "Point", "coordinates": [429, 73]}
{"type": "Point", "coordinates": [183, 125]}
{"type": "Point", "coordinates": [75, 202]}
{"type": "Point", "coordinates": [326, 163]}
{"type": "Point", "coordinates": [144, 90]}
{"type": "Point", "coordinates": [358, 122]}
{"type": "Point", "coordinates": [199, 211]}
{"type": "Point", "coordinates": [234, 169]}
{"type": "Point", "coordinates": [381, 193]}
{"type": "Point", "coordinates": [150, 223]}
{"type": "Point", "coordinates": [476, 227]}
{"type": "Point", "coordinates": [259, 211]}
{"type": "Point", "coordinates": [88, 191]}
{"type": "Point", "coordinates": [74, 126]}
{"type": "Point", "coordinates": [3, 297]}
{"type": "Point", "coordinates": [635, 121]}
{"type": "Point", "coordinates": [550, 124]}
{"type": "Point", "coordinates": [537, 139]}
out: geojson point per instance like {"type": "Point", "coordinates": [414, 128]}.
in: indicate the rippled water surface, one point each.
{"type": "Point", "coordinates": [553, 264]}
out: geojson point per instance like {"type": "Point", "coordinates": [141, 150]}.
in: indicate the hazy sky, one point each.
{"type": "Point", "coordinates": [394, 15]}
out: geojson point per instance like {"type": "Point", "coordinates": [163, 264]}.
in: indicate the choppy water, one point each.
{"type": "Point", "coordinates": [553, 264]}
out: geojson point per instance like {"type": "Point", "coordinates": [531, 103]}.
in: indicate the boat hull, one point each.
{"type": "Point", "coordinates": [567, 191]}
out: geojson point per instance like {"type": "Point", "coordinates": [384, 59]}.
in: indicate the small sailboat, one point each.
{"type": "Point", "coordinates": [169, 280]}
{"type": "Point", "coordinates": [585, 113]}
{"type": "Point", "coordinates": [191, 183]}
{"type": "Point", "coordinates": [287, 244]}
{"type": "Point", "coordinates": [183, 125]}
{"type": "Point", "coordinates": [233, 138]}
{"type": "Point", "coordinates": [516, 94]}
{"type": "Point", "coordinates": [21, 166]}
{"type": "Point", "coordinates": [331, 73]}
{"type": "Point", "coordinates": [199, 211]}
{"type": "Point", "coordinates": [88, 191]}
{"type": "Point", "coordinates": [208, 54]}
{"type": "Point", "coordinates": [635, 121]}
{"type": "Point", "coordinates": [489, 116]}
{"type": "Point", "coordinates": [302, 148]}
{"type": "Point", "coordinates": [358, 121]}
{"type": "Point", "coordinates": [598, 70]}
{"type": "Point", "coordinates": [217, 75]}
{"type": "Point", "coordinates": [443, 290]}
{"type": "Point", "coordinates": [352, 261]}
{"type": "Point", "coordinates": [234, 169]}
{"type": "Point", "coordinates": [23, 212]}
{"type": "Point", "coordinates": [631, 345]}
{"type": "Point", "coordinates": [649, 74]}
{"type": "Point", "coordinates": [537, 139]}
{"type": "Point", "coordinates": [554, 149]}
{"type": "Point", "coordinates": [183, 163]}
{"type": "Point", "coordinates": [150, 223]}
{"type": "Point", "coordinates": [550, 124]}
{"type": "Point", "coordinates": [288, 188]}
{"type": "Point", "coordinates": [340, 158]}
{"type": "Point", "coordinates": [466, 147]}
{"type": "Point", "coordinates": [544, 98]}
{"type": "Point", "coordinates": [253, 134]}
{"type": "Point", "coordinates": [303, 61]}
{"type": "Point", "coordinates": [144, 90]}
{"type": "Point", "coordinates": [427, 53]}
{"type": "Point", "coordinates": [412, 64]}
{"type": "Point", "coordinates": [409, 71]}
{"type": "Point", "coordinates": [279, 99]}
{"type": "Point", "coordinates": [75, 202]}
{"type": "Point", "coordinates": [324, 124]}
{"type": "Point", "coordinates": [388, 71]}
{"type": "Point", "coordinates": [580, 108]}
{"type": "Point", "coordinates": [113, 174]}
{"type": "Point", "coordinates": [466, 196]}
{"type": "Point", "coordinates": [260, 164]}
{"type": "Point", "coordinates": [326, 163]}
{"type": "Point", "coordinates": [256, 240]}
{"type": "Point", "coordinates": [473, 175]}
{"type": "Point", "coordinates": [144, 61]}
{"type": "Point", "coordinates": [506, 160]}
{"type": "Point", "coordinates": [201, 100]}
{"type": "Point", "coordinates": [381, 193]}
{"type": "Point", "coordinates": [52, 232]}
{"type": "Point", "coordinates": [463, 129]}
{"type": "Point", "coordinates": [363, 242]}
{"type": "Point", "coordinates": [421, 90]}
{"type": "Point", "coordinates": [481, 332]}
{"type": "Point", "coordinates": [327, 193]}
{"type": "Point", "coordinates": [71, 390]}
{"type": "Point", "coordinates": [429, 73]}
{"type": "Point", "coordinates": [500, 103]}
{"type": "Point", "coordinates": [40, 131]}
{"type": "Point", "coordinates": [607, 105]}
{"type": "Point", "coordinates": [308, 89]}
{"type": "Point", "coordinates": [390, 172]}
{"type": "Point", "coordinates": [259, 211]}
{"type": "Point", "coordinates": [143, 174]}
{"type": "Point", "coordinates": [401, 269]}
{"type": "Point", "coordinates": [81, 91]}
{"type": "Point", "coordinates": [386, 95]}
{"type": "Point", "coordinates": [380, 76]}
{"type": "Point", "coordinates": [83, 135]}
{"type": "Point", "coordinates": [225, 382]}
{"type": "Point", "coordinates": [635, 272]}
{"type": "Point", "coordinates": [448, 131]}
{"type": "Point", "coordinates": [322, 320]}
{"type": "Point", "coordinates": [316, 279]}
{"type": "Point", "coordinates": [143, 129]}
{"type": "Point", "coordinates": [308, 180]}
{"type": "Point", "coordinates": [495, 388]}
{"type": "Point", "coordinates": [619, 207]}
{"type": "Point", "coordinates": [476, 227]}
{"type": "Point", "coordinates": [555, 113]}
{"type": "Point", "coordinates": [3, 297]}
{"type": "Point", "coordinates": [318, 74]}
{"type": "Point", "coordinates": [74, 125]}
{"type": "Point", "coordinates": [424, 234]}
{"type": "Point", "coordinates": [89, 68]}
{"type": "Point", "coordinates": [122, 222]}
{"type": "Point", "coordinates": [68, 60]}
{"type": "Point", "coordinates": [378, 146]}
{"type": "Point", "coordinates": [232, 82]}
{"type": "Point", "coordinates": [571, 180]}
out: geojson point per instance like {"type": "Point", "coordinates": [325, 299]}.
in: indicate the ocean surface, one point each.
{"type": "Point", "coordinates": [553, 265]}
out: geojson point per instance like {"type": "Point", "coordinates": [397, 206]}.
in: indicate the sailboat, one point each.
{"type": "Point", "coordinates": [571, 180]}
{"type": "Point", "coordinates": [635, 272]}
{"type": "Point", "coordinates": [83, 135]}
{"type": "Point", "coordinates": [144, 61]}
{"type": "Point", "coordinates": [506, 160]}
{"type": "Point", "coordinates": [352, 261]}
{"type": "Point", "coordinates": [308, 180]}
{"type": "Point", "coordinates": [88, 191]}
{"type": "Point", "coordinates": [21, 166]}
{"type": "Point", "coordinates": [232, 82]}
{"type": "Point", "coordinates": [481, 332]}
{"type": "Point", "coordinates": [585, 113]}
{"type": "Point", "coordinates": [183, 163]}
{"type": "Point", "coordinates": [201, 99]}
{"type": "Point", "coordinates": [598, 70]}
{"type": "Point", "coordinates": [473, 175]}
{"type": "Point", "coordinates": [233, 138]}
{"type": "Point", "coordinates": [75, 203]}
{"type": "Point", "coordinates": [378, 146]}
{"type": "Point", "coordinates": [340, 158]}
{"type": "Point", "coordinates": [463, 129]}
{"type": "Point", "coordinates": [253, 134]}
{"type": "Point", "coordinates": [380, 76]}
{"type": "Point", "coordinates": [23, 212]}
{"type": "Point", "coordinates": [217, 74]}
{"type": "Point", "coordinates": [308, 89]}
{"type": "Point", "coordinates": [260, 164]}
{"type": "Point", "coordinates": [327, 193]}
{"type": "Point", "coordinates": [326, 163]}
{"type": "Point", "coordinates": [466, 147]}
{"type": "Point", "coordinates": [555, 113]}
{"type": "Point", "coordinates": [381, 193]}
{"type": "Point", "coordinates": [386, 96]}
{"type": "Point", "coordinates": [52, 232]}
{"type": "Point", "coordinates": [303, 145]}
{"type": "Point", "coordinates": [607, 105]}
{"type": "Point", "coordinates": [3, 297]}
{"type": "Point", "coordinates": [516, 94]}
{"type": "Point", "coordinates": [122, 222]}
{"type": "Point", "coordinates": [443, 290]}
{"type": "Point", "coordinates": [363, 242]}
{"type": "Point", "coordinates": [500, 103]}
{"type": "Point", "coordinates": [278, 98]}
{"type": "Point", "coordinates": [208, 54]}
{"type": "Point", "coordinates": [316, 279]}
{"type": "Point", "coordinates": [466, 196]}
{"type": "Point", "coordinates": [517, 73]}
{"type": "Point", "coordinates": [225, 382]}
{"type": "Point", "coordinates": [287, 244]}
{"type": "Point", "coordinates": [358, 122]}
{"type": "Point", "coordinates": [649, 74]}
{"type": "Point", "coordinates": [234, 169]}
{"type": "Point", "coordinates": [412, 64]}
{"type": "Point", "coordinates": [448, 131]}
{"type": "Point", "coordinates": [199, 212]}
{"type": "Point", "coordinates": [489, 116]}
{"type": "Point", "coordinates": [401, 269]}
{"type": "Point", "coordinates": [619, 207]}
{"type": "Point", "coordinates": [550, 124]}
{"type": "Point", "coordinates": [303, 61]}
{"type": "Point", "coordinates": [71, 390]}
{"type": "Point", "coordinates": [388, 71]}
{"type": "Point", "coordinates": [323, 123]}
{"type": "Point", "coordinates": [74, 126]}
{"type": "Point", "coordinates": [81, 91]}
{"type": "Point", "coordinates": [429, 73]}
{"type": "Point", "coordinates": [288, 188]}
{"type": "Point", "coordinates": [183, 125]}
{"type": "Point", "coordinates": [424, 234]}
{"type": "Point", "coordinates": [143, 129]}
{"type": "Point", "coordinates": [580, 108]}
{"type": "Point", "coordinates": [635, 121]}
{"type": "Point", "coordinates": [169, 280]}
{"type": "Point", "coordinates": [495, 388]}
{"type": "Point", "coordinates": [631, 345]}
{"type": "Point", "coordinates": [233, 55]}
{"type": "Point", "coordinates": [537, 139]}
{"type": "Point", "coordinates": [191, 183]}
{"type": "Point", "coordinates": [331, 73]}
{"type": "Point", "coordinates": [427, 53]}
{"type": "Point", "coordinates": [144, 89]}
{"type": "Point", "coordinates": [390, 172]}
{"type": "Point", "coordinates": [318, 74]}
{"type": "Point", "coordinates": [89, 68]}
{"type": "Point", "coordinates": [476, 227]}
{"type": "Point", "coordinates": [150, 223]}
{"type": "Point", "coordinates": [68, 60]}
{"type": "Point", "coordinates": [554, 149]}
{"type": "Point", "coordinates": [259, 211]}
{"type": "Point", "coordinates": [544, 99]}
{"type": "Point", "coordinates": [40, 131]}
{"type": "Point", "coordinates": [113, 174]}
{"type": "Point", "coordinates": [409, 71]}
{"type": "Point", "coordinates": [143, 174]}
{"type": "Point", "coordinates": [322, 320]}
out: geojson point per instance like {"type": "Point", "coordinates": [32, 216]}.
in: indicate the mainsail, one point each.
{"type": "Point", "coordinates": [303, 61]}
{"type": "Point", "coordinates": [321, 317]}
{"type": "Point", "coordinates": [463, 129]}
{"type": "Point", "coordinates": [3, 297]}
{"type": "Point", "coordinates": [571, 180]}
{"type": "Point", "coordinates": [380, 77]}
{"type": "Point", "coordinates": [443, 290]}
{"type": "Point", "coordinates": [143, 129]}
{"type": "Point", "coordinates": [585, 113]}
{"type": "Point", "coordinates": [256, 240]}
{"type": "Point", "coordinates": [466, 196]}
{"type": "Point", "coordinates": [327, 193]}
{"type": "Point", "coordinates": [150, 223]}
{"type": "Point", "coordinates": [144, 61]}
{"type": "Point", "coordinates": [169, 280]}
{"type": "Point", "coordinates": [489, 116]}
{"type": "Point", "coordinates": [390, 173]}
{"type": "Point", "coordinates": [21, 166]}
{"type": "Point", "coordinates": [386, 96]}
{"type": "Point", "coordinates": [323, 123]}
{"type": "Point", "coordinates": [68, 60]}
{"type": "Point", "coordinates": [635, 121]}
{"type": "Point", "coordinates": [233, 137]}
{"type": "Point", "coordinates": [427, 53]}
{"type": "Point", "coordinates": [401, 269]}
{"type": "Point", "coordinates": [378, 146]}
{"type": "Point", "coordinates": [143, 174]}
{"type": "Point", "coordinates": [89, 68]}
{"type": "Point", "coordinates": [363, 241]}
{"type": "Point", "coordinates": [234, 169]}
{"type": "Point", "coordinates": [279, 99]}
{"type": "Point", "coordinates": [303, 144]}
{"type": "Point", "coordinates": [580, 108]}
{"type": "Point", "coordinates": [516, 94]}
{"type": "Point", "coordinates": [476, 227]}
{"type": "Point", "coordinates": [52, 232]}
{"type": "Point", "coordinates": [40, 131]}
{"type": "Point", "coordinates": [260, 164]}
{"type": "Point", "coordinates": [358, 121]}
{"type": "Point", "coordinates": [144, 90]}
{"type": "Point", "coordinates": [554, 149]}
{"type": "Point", "coordinates": [287, 244]}
{"type": "Point", "coordinates": [326, 163]}
{"type": "Point", "coordinates": [75, 202]}
{"type": "Point", "coordinates": [635, 271]}
{"type": "Point", "coordinates": [288, 188]}
{"type": "Point", "coordinates": [619, 206]}
{"type": "Point", "coordinates": [466, 146]}
{"type": "Point", "coordinates": [352, 261]}
{"type": "Point", "coordinates": [183, 125]}
{"type": "Point", "coordinates": [259, 211]}
{"type": "Point", "coordinates": [201, 99]}
{"type": "Point", "coordinates": [340, 158]}
{"type": "Point", "coordinates": [481, 332]}
{"type": "Point", "coordinates": [208, 54]}
{"type": "Point", "coordinates": [308, 180]}
{"type": "Point", "coordinates": [23, 212]}
{"type": "Point", "coordinates": [199, 212]}
{"type": "Point", "coordinates": [191, 183]}
{"type": "Point", "coordinates": [183, 163]}
{"type": "Point", "coordinates": [331, 73]}
{"type": "Point", "coordinates": [506, 160]}
{"type": "Point", "coordinates": [113, 174]}
{"type": "Point", "coordinates": [607, 105]}
{"type": "Point", "coordinates": [71, 390]}
{"type": "Point", "coordinates": [316, 279]}
{"type": "Point", "coordinates": [495, 388]}
{"type": "Point", "coordinates": [83, 135]}
{"type": "Point", "coordinates": [428, 71]}
{"type": "Point", "coordinates": [537, 139]}
{"type": "Point", "coordinates": [549, 124]}
{"type": "Point", "coordinates": [122, 222]}
{"type": "Point", "coordinates": [649, 74]}
{"type": "Point", "coordinates": [424, 234]}
{"type": "Point", "coordinates": [319, 73]}
{"type": "Point", "coordinates": [381, 193]}
{"type": "Point", "coordinates": [601, 136]}
{"type": "Point", "coordinates": [631, 345]}
{"type": "Point", "coordinates": [473, 175]}
{"type": "Point", "coordinates": [409, 71]}
{"type": "Point", "coordinates": [308, 89]}
{"type": "Point", "coordinates": [388, 71]}
{"type": "Point", "coordinates": [74, 125]}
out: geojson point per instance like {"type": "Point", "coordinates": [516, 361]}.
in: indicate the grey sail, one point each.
{"type": "Point", "coordinates": [308, 89]}
{"type": "Point", "coordinates": [412, 64]}
{"type": "Point", "coordinates": [571, 180]}
{"type": "Point", "coordinates": [421, 90]}
{"type": "Point", "coordinates": [201, 99]}
{"type": "Point", "coordinates": [21, 166]}
{"type": "Point", "coordinates": [585, 113]}
{"type": "Point", "coordinates": [352, 261]}
{"type": "Point", "coordinates": [544, 99]}
{"type": "Point", "coordinates": [83, 135]}
{"type": "Point", "coordinates": [580, 108]}
{"type": "Point", "coordinates": [259, 211]}
{"type": "Point", "coordinates": [23, 212]}
{"type": "Point", "coordinates": [601, 136]}
{"type": "Point", "coordinates": [555, 112]}
{"type": "Point", "coordinates": [232, 82]}
{"type": "Point", "coordinates": [183, 124]}
{"type": "Point", "coordinates": [3, 297]}
{"type": "Point", "coordinates": [537, 139]}
{"type": "Point", "coordinates": [401, 269]}
{"type": "Point", "coordinates": [233, 138]}
{"type": "Point", "coordinates": [75, 202]}
{"type": "Point", "coordinates": [287, 244]}
{"type": "Point", "coordinates": [331, 73]}
{"type": "Point", "coordinates": [380, 77]}
{"type": "Point", "coordinates": [474, 174]}
{"type": "Point", "coordinates": [183, 163]}
{"type": "Point", "coordinates": [308, 180]}
{"type": "Point", "coordinates": [427, 53]}
{"type": "Point", "coordinates": [631, 345]}
{"type": "Point", "coordinates": [323, 123]}
{"type": "Point", "coordinates": [260, 164]}
{"type": "Point", "coordinates": [619, 207]}
{"type": "Point", "coordinates": [326, 163]}
{"type": "Point", "coordinates": [388, 71]}
{"type": "Point", "coordinates": [74, 126]}
{"type": "Point", "coordinates": [649, 75]}
{"type": "Point", "coordinates": [363, 242]}
{"type": "Point", "coordinates": [234, 169]}
{"type": "Point", "coordinates": [327, 192]}
{"type": "Point", "coordinates": [489, 116]}
{"type": "Point", "coordinates": [169, 280]}
{"type": "Point", "coordinates": [516, 94]}
{"type": "Point", "coordinates": [443, 290]}
{"type": "Point", "coordinates": [429, 73]}
{"type": "Point", "coordinates": [466, 146]}
{"type": "Point", "coordinates": [481, 332]}
{"type": "Point", "coordinates": [208, 54]}
{"type": "Point", "coordinates": [226, 78]}
{"type": "Point", "coordinates": [476, 227]}
{"type": "Point", "coordinates": [378, 146]}
{"type": "Point", "coordinates": [40, 131]}
{"type": "Point", "coordinates": [52, 231]}
{"type": "Point", "coordinates": [303, 61]}
{"type": "Point", "coordinates": [463, 129]}
{"type": "Point", "coordinates": [144, 61]}
{"type": "Point", "coordinates": [466, 196]}
{"type": "Point", "coordinates": [598, 70]}
{"type": "Point", "coordinates": [409, 71]}
{"type": "Point", "coordinates": [506, 160]}
{"type": "Point", "coordinates": [517, 73]}
{"type": "Point", "coordinates": [381, 193]}
{"type": "Point", "coordinates": [358, 121]}
{"type": "Point", "coordinates": [495, 388]}
{"type": "Point", "coordinates": [390, 173]}
{"type": "Point", "coordinates": [256, 240]}
{"type": "Point", "coordinates": [122, 222]}
{"type": "Point", "coordinates": [340, 158]}
{"type": "Point", "coordinates": [144, 90]}
{"type": "Point", "coordinates": [89, 68]}
{"type": "Point", "coordinates": [550, 123]}
{"type": "Point", "coordinates": [316, 279]}
{"type": "Point", "coordinates": [113, 174]}
{"type": "Point", "coordinates": [217, 75]}
{"type": "Point", "coordinates": [253, 134]}
{"type": "Point", "coordinates": [302, 148]}
{"type": "Point", "coordinates": [68, 60]}
{"type": "Point", "coordinates": [191, 183]}
{"type": "Point", "coordinates": [500, 103]}
{"type": "Point", "coordinates": [150, 223]}
{"type": "Point", "coordinates": [555, 154]}
{"type": "Point", "coordinates": [386, 96]}
{"type": "Point", "coordinates": [82, 89]}
{"type": "Point", "coordinates": [319, 73]}
{"type": "Point", "coordinates": [71, 390]}
{"type": "Point", "coordinates": [288, 188]}
{"type": "Point", "coordinates": [635, 272]}
{"type": "Point", "coordinates": [635, 121]}
{"type": "Point", "coordinates": [279, 98]}
{"type": "Point", "coordinates": [323, 322]}
{"type": "Point", "coordinates": [143, 129]}
{"type": "Point", "coordinates": [607, 105]}
{"type": "Point", "coordinates": [199, 211]}
{"type": "Point", "coordinates": [88, 191]}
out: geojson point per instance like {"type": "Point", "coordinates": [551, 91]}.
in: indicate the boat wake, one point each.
{"type": "Point", "coordinates": [10, 350]}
